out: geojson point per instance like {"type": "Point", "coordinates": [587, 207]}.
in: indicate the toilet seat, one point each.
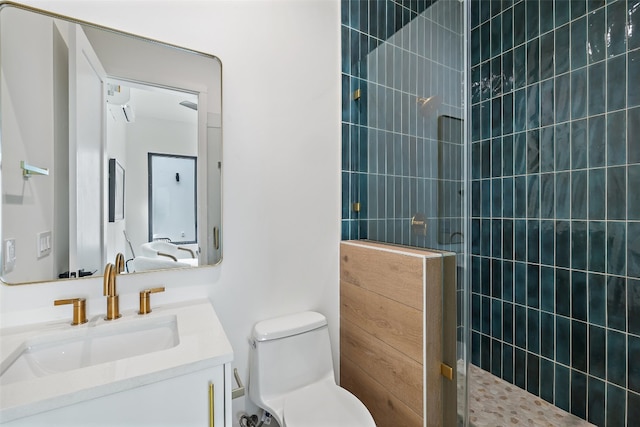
{"type": "Point", "coordinates": [325, 405]}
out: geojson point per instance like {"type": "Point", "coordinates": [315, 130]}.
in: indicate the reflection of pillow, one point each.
{"type": "Point", "coordinates": [142, 263]}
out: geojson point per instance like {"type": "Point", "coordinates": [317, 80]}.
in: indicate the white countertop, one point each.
{"type": "Point", "coordinates": [202, 344]}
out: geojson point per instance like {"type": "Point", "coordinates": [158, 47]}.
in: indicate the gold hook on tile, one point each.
{"type": "Point", "coordinates": [446, 371]}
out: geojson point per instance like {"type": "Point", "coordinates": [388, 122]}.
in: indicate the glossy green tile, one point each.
{"type": "Point", "coordinates": [596, 36]}
{"type": "Point", "coordinates": [616, 87]}
{"type": "Point", "coordinates": [633, 250]}
{"type": "Point", "coordinates": [616, 358]}
{"type": "Point", "coordinates": [633, 70]}
{"type": "Point", "coordinates": [578, 394]}
{"type": "Point", "coordinates": [597, 354]}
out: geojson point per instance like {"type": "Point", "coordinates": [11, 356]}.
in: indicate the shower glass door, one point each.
{"type": "Point", "coordinates": [403, 136]}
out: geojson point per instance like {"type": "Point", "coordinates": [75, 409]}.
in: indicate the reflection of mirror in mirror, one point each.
{"type": "Point", "coordinates": [172, 198]}
{"type": "Point", "coordinates": [82, 101]}
{"type": "Point", "coordinates": [146, 122]}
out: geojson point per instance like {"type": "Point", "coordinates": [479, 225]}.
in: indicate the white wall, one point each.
{"type": "Point", "coordinates": [156, 136]}
{"type": "Point", "coordinates": [117, 149]}
{"type": "Point", "coordinates": [27, 93]}
{"type": "Point", "coordinates": [281, 161]}
{"type": "Point", "coordinates": [60, 251]}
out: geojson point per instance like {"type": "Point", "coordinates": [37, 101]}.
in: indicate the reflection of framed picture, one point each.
{"type": "Point", "coordinates": [116, 191]}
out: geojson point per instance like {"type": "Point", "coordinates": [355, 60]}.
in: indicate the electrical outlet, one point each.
{"type": "Point", "coordinates": [9, 257]}
{"type": "Point", "coordinates": [43, 242]}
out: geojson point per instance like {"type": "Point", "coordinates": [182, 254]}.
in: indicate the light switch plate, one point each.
{"type": "Point", "coordinates": [9, 258]}
{"type": "Point", "coordinates": [43, 243]}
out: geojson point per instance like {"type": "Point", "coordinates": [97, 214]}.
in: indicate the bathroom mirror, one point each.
{"type": "Point", "coordinates": [82, 110]}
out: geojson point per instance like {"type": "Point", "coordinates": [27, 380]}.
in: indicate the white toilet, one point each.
{"type": "Point", "coordinates": [291, 375]}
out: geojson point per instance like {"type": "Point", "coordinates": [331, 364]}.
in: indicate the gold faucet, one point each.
{"type": "Point", "coordinates": [109, 290]}
{"type": "Point", "coordinates": [119, 263]}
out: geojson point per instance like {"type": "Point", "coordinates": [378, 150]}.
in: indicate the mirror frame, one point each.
{"type": "Point", "coordinates": [207, 167]}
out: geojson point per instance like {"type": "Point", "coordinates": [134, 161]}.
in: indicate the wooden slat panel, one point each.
{"type": "Point", "coordinates": [386, 409]}
{"type": "Point", "coordinates": [390, 274]}
{"type": "Point", "coordinates": [433, 333]}
{"type": "Point", "coordinates": [401, 375]}
{"type": "Point", "coordinates": [449, 388]}
{"type": "Point", "coordinates": [396, 324]}
{"type": "Point", "coordinates": [382, 297]}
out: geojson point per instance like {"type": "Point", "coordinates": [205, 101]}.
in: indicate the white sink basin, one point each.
{"type": "Point", "coordinates": [89, 346]}
{"type": "Point", "coordinates": [50, 365]}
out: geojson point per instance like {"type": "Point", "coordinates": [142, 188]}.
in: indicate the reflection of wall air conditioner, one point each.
{"type": "Point", "coordinates": [118, 103]}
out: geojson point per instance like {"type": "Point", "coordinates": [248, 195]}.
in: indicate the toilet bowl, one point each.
{"type": "Point", "coordinates": [325, 404]}
{"type": "Point", "coordinates": [291, 375]}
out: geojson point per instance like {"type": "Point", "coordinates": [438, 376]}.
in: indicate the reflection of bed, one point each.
{"type": "Point", "coordinates": [143, 263]}
{"type": "Point", "coordinates": [167, 250]}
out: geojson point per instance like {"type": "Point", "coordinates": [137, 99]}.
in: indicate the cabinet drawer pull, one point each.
{"type": "Point", "coordinates": [212, 422]}
{"type": "Point", "coordinates": [216, 238]}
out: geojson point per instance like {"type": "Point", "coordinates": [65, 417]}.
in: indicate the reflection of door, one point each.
{"type": "Point", "coordinates": [86, 205]}
{"type": "Point", "coordinates": [172, 198]}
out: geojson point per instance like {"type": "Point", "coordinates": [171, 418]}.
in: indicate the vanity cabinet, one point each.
{"type": "Point", "coordinates": [180, 401]}
{"type": "Point", "coordinates": [109, 373]}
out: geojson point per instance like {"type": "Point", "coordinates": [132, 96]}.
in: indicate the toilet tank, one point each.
{"type": "Point", "coordinates": [287, 353]}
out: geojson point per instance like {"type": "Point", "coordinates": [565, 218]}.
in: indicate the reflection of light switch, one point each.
{"type": "Point", "coordinates": [43, 243]}
{"type": "Point", "coordinates": [9, 255]}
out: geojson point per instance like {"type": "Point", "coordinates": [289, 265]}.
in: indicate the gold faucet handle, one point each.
{"type": "Point", "coordinates": [145, 299]}
{"type": "Point", "coordinates": [79, 309]}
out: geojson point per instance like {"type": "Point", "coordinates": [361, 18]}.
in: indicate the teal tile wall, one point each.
{"type": "Point", "coordinates": [555, 172]}
{"type": "Point", "coordinates": [406, 59]}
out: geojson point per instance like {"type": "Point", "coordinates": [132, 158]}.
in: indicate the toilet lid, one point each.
{"type": "Point", "coordinates": [325, 405]}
